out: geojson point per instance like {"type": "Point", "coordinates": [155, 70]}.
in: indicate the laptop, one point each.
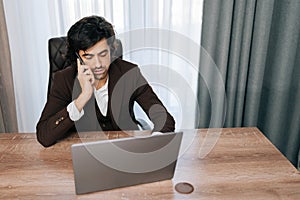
{"type": "Point", "coordinates": [109, 164]}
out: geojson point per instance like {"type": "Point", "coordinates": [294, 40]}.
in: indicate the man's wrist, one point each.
{"type": "Point", "coordinates": [74, 113]}
{"type": "Point", "coordinates": [80, 102]}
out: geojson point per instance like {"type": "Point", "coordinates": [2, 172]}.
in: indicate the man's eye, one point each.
{"type": "Point", "coordinates": [103, 54]}
{"type": "Point", "coordinates": [88, 57]}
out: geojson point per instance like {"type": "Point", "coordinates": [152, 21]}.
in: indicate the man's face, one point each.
{"type": "Point", "coordinates": [98, 59]}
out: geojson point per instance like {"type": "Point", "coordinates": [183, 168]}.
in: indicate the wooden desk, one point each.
{"type": "Point", "coordinates": [242, 165]}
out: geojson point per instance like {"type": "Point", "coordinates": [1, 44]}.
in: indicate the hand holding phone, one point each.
{"type": "Point", "coordinates": [86, 80]}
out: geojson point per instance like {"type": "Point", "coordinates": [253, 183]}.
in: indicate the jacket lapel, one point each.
{"type": "Point", "coordinates": [115, 93]}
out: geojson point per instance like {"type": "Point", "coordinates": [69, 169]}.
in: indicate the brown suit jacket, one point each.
{"type": "Point", "coordinates": [126, 85]}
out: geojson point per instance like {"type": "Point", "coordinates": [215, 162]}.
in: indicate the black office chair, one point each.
{"type": "Point", "coordinates": [57, 48]}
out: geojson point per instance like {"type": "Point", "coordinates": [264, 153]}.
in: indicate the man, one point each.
{"type": "Point", "coordinates": [97, 91]}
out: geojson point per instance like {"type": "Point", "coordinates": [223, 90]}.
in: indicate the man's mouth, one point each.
{"type": "Point", "coordinates": [99, 71]}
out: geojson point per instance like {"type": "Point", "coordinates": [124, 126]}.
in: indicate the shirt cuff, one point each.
{"type": "Point", "coordinates": [74, 113]}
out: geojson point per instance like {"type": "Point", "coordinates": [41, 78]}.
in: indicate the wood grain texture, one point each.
{"type": "Point", "coordinates": [242, 164]}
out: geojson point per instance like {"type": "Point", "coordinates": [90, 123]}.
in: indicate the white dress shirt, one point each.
{"type": "Point", "coordinates": [101, 96]}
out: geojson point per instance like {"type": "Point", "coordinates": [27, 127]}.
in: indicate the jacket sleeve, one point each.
{"type": "Point", "coordinates": [55, 123]}
{"type": "Point", "coordinates": [152, 106]}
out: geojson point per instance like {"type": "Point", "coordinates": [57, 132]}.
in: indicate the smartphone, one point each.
{"type": "Point", "coordinates": [80, 59]}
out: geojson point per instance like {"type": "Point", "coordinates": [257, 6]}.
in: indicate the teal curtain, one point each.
{"type": "Point", "coordinates": [250, 69]}
{"type": "Point", "coordinates": [8, 119]}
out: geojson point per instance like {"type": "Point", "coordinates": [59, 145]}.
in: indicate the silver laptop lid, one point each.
{"type": "Point", "coordinates": [109, 164]}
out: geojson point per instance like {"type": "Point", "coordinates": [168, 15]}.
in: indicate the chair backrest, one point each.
{"type": "Point", "coordinates": [57, 48]}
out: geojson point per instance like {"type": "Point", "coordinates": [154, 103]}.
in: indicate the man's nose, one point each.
{"type": "Point", "coordinates": [98, 62]}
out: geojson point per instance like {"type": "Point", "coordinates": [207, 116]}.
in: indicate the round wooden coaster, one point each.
{"type": "Point", "coordinates": [184, 188]}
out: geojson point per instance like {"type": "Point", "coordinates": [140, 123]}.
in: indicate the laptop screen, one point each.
{"type": "Point", "coordinates": [109, 164]}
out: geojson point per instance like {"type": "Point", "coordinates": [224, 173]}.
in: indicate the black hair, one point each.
{"type": "Point", "coordinates": [86, 33]}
